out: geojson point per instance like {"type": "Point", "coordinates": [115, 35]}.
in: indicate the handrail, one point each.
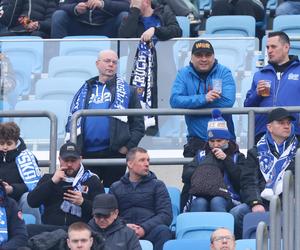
{"type": "Point", "coordinates": [53, 130]}
{"type": "Point", "coordinates": [275, 223]}
{"type": "Point", "coordinates": [262, 236]}
{"type": "Point", "coordinates": [288, 210]}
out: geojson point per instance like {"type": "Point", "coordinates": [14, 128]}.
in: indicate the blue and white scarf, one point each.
{"type": "Point", "coordinates": [3, 226]}
{"type": "Point", "coordinates": [121, 101]}
{"type": "Point", "coordinates": [80, 178]}
{"type": "Point", "coordinates": [28, 169]}
{"type": "Point", "coordinates": [143, 77]}
{"type": "Point", "coordinates": [273, 168]}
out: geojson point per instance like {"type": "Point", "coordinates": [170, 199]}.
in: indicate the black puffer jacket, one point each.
{"type": "Point", "coordinates": [36, 10]}
{"type": "Point", "coordinates": [9, 170]}
{"type": "Point", "coordinates": [132, 26]}
{"type": "Point", "coordinates": [117, 236]}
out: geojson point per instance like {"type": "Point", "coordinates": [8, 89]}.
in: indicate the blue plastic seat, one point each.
{"type": "Point", "coordinates": [146, 245]}
{"type": "Point", "coordinates": [200, 225]}
{"type": "Point", "coordinates": [290, 24]}
{"type": "Point", "coordinates": [84, 46]}
{"type": "Point", "coordinates": [231, 26]}
{"type": "Point", "coordinates": [26, 58]}
{"type": "Point", "coordinates": [73, 66]}
{"type": "Point", "coordinates": [28, 218]}
{"type": "Point", "coordinates": [38, 129]}
{"type": "Point", "coordinates": [204, 7]}
{"type": "Point", "coordinates": [251, 221]}
{"type": "Point", "coordinates": [184, 24]}
{"type": "Point", "coordinates": [174, 193]}
{"type": "Point", "coordinates": [249, 244]}
{"type": "Point", "coordinates": [58, 88]}
{"type": "Point", "coordinates": [187, 244]}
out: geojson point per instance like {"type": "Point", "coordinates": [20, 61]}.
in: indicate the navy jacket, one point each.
{"type": "Point", "coordinates": [147, 204]}
{"type": "Point", "coordinates": [17, 233]}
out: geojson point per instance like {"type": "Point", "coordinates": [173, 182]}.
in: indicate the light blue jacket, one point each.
{"type": "Point", "coordinates": [285, 91]}
{"type": "Point", "coordinates": [189, 92]}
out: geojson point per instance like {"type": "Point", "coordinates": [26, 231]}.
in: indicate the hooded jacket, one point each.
{"type": "Point", "coordinates": [117, 236]}
{"type": "Point", "coordinates": [147, 203]}
{"type": "Point", "coordinates": [189, 91]}
{"type": "Point", "coordinates": [284, 92]}
{"type": "Point", "coordinates": [9, 171]}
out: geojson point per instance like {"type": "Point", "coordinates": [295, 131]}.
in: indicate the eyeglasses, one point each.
{"type": "Point", "coordinates": [115, 62]}
{"type": "Point", "coordinates": [102, 216]}
{"type": "Point", "coordinates": [222, 238]}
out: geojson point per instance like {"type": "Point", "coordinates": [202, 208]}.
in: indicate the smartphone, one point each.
{"type": "Point", "coordinates": [67, 187]}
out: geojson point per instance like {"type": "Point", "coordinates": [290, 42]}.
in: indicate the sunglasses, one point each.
{"type": "Point", "coordinates": [102, 216]}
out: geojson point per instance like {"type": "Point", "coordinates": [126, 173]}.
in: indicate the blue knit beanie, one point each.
{"type": "Point", "coordinates": [217, 126]}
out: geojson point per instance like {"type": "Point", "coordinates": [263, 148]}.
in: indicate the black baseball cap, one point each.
{"type": "Point", "coordinates": [104, 204]}
{"type": "Point", "coordinates": [279, 114]}
{"type": "Point", "coordinates": [69, 150]}
{"type": "Point", "coordinates": [202, 46]}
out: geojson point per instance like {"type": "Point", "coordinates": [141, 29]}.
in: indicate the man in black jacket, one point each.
{"type": "Point", "coordinates": [27, 17]}
{"type": "Point", "coordinates": [13, 232]}
{"type": "Point", "coordinates": [144, 202]}
{"type": "Point", "coordinates": [65, 196]}
{"type": "Point", "coordinates": [88, 17]}
{"type": "Point", "coordinates": [112, 229]}
{"type": "Point", "coordinates": [104, 136]}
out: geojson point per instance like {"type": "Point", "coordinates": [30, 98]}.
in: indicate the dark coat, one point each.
{"type": "Point", "coordinates": [117, 236]}
{"type": "Point", "coordinates": [97, 16]}
{"type": "Point", "coordinates": [17, 233]}
{"type": "Point", "coordinates": [147, 204]}
{"type": "Point", "coordinates": [36, 10]}
{"type": "Point", "coordinates": [252, 180]}
{"type": "Point", "coordinates": [132, 26]}
{"type": "Point", "coordinates": [9, 171]}
{"type": "Point", "coordinates": [50, 195]}
{"type": "Point", "coordinates": [121, 134]}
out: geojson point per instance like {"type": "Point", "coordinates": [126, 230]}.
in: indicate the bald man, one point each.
{"type": "Point", "coordinates": [107, 136]}
{"type": "Point", "coordinates": [222, 239]}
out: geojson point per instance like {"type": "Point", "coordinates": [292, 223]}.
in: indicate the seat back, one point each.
{"type": "Point", "coordinates": [58, 88]}
{"type": "Point", "coordinates": [146, 245]}
{"type": "Point", "coordinates": [73, 66]}
{"type": "Point", "coordinates": [83, 45]}
{"type": "Point", "coordinates": [174, 193]}
{"type": "Point", "coordinates": [187, 244]}
{"type": "Point", "coordinates": [251, 221]}
{"type": "Point", "coordinates": [290, 24]}
{"type": "Point", "coordinates": [231, 25]}
{"type": "Point", "coordinates": [184, 24]}
{"type": "Point", "coordinates": [200, 225]}
{"type": "Point", "coordinates": [28, 218]}
{"type": "Point", "coordinates": [249, 244]}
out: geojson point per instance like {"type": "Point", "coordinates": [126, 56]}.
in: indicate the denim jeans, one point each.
{"type": "Point", "coordinates": [65, 25]}
{"type": "Point", "coordinates": [158, 236]}
{"type": "Point", "coordinates": [288, 8]}
{"type": "Point", "coordinates": [215, 204]}
{"type": "Point", "coordinates": [238, 213]}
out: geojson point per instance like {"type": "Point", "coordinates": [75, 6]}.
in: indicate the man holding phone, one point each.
{"type": "Point", "coordinates": [66, 196]}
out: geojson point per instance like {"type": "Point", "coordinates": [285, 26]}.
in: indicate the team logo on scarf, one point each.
{"type": "Point", "coordinates": [143, 77]}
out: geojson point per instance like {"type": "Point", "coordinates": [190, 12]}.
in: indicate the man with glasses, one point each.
{"type": "Point", "coordinates": [107, 136]}
{"type": "Point", "coordinates": [222, 239]}
{"type": "Point", "coordinates": [107, 223]}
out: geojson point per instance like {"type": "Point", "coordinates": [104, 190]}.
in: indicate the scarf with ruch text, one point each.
{"type": "Point", "coordinates": [28, 169]}
{"type": "Point", "coordinates": [144, 78]}
{"type": "Point", "coordinates": [121, 101]}
{"type": "Point", "coordinates": [272, 167]}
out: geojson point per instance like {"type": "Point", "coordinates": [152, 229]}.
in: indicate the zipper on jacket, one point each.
{"type": "Point", "coordinates": [90, 16]}
{"type": "Point", "coordinates": [29, 10]}
{"type": "Point", "coordinates": [13, 13]}
{"type": "Point", "coordinates": [278, 79]}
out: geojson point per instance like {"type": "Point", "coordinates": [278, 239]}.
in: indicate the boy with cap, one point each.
{"type": "Point", "coordinates": [106, 222]}
{"type": "Point", "coordinates": [193, 89]}
{"type": "Point", "coordinates": [219, 152]}
{"type": "Point", "coordinates": [67, 194]}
